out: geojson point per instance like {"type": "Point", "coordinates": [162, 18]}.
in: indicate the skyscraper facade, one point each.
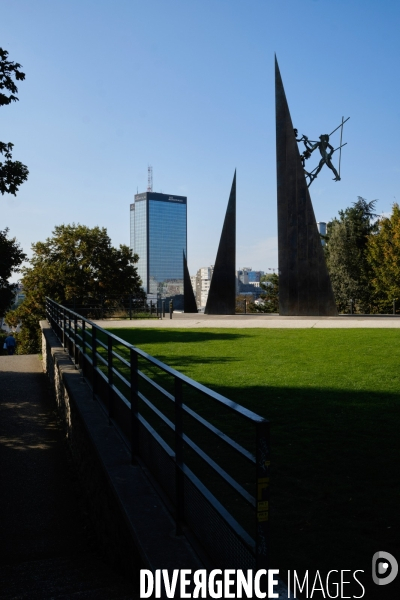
{"type": "Point", "coordinates": [158, 231]}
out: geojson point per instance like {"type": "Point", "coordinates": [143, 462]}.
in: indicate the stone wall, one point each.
{"type": "Point", "coordinates": [75, 406]}
{"type": "Point", "coordinates": [132, 524]}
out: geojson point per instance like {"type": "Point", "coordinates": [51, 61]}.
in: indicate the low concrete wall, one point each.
{"type": "Point", "coordinates": [132, 524]}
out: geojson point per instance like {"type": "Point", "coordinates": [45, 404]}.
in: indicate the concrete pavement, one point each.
{"type": "Point", "coordinates": [47, 550]}
{"type": "Point", "coordinates": [193, 321]}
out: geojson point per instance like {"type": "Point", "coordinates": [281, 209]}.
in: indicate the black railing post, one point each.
{"type": "Point", "coordinates": [94, 360]}
{"type": "Point", "coordinates": [262, 494]}
{"type": "Point", "coordinates": [130, 307]}
{"type": "Point", "coordinates": [163, 308]}
{"type": "Point", "coordinates": [83, 348]}
{"type": "Point", "coordinates": [59, 321]}
{"type": "Point", "coordinates": [69, 335]}
{"type": "Point", "coordinates": [134, 406]}
{"type": "Point", "coordinates": [394, 306]}
{"type": "Point", "coordinates": [179, 477]}
{"type": "Point", "coordinates": [110, 379]}
{"type": "Point", "coordinates": [64, 328]}
{"type": "Point", "coordinates": [151, 307]}
{"type": "Point", "coordinates": [171, 308]}
{"type": "Point", "coordinates": [76, 355]}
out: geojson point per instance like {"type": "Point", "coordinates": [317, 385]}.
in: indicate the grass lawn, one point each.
{"type": "Point", "coordinates": [332, 397]}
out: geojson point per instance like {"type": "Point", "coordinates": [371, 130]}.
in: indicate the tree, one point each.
{"type": "Point", "coordinates": [346, 255]}
{"type": "Point", "coordinates": [384, 259]}
{"type": "Point", "coordinates": [343, 260]}
{"type": "Point", "coordinates": [77, 264]}
{"type": "Point", "coordinates": [11, 257]}
{"type": "Point", "coordinates": [270, 295]}
{"type": "Point", "coordinates": [11, 319]}
{"type": "Point", "coordinates": [12, 173]}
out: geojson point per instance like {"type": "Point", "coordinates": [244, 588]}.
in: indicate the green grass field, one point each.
{"type": "Point", "coordinates": [332, 397]}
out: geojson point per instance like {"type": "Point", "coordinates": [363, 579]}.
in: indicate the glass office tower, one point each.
{"type": "Point", "coordinates": [159, 237]}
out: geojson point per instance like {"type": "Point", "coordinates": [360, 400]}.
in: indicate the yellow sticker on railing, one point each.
{"type": "Point", "coordinates": [262, 516]}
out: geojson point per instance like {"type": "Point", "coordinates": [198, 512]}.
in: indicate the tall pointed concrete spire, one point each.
{"type": "Point", "coordinates": [189, 301]}
{"type": "Point", "coordinates": [304, 284]}
{"type": "Point", "coordinates": [222, 295]}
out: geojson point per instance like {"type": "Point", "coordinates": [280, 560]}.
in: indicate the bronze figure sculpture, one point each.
{"type": "Point", "coordinates": [326, 150]}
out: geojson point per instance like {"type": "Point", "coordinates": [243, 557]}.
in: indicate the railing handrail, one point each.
{"type": "Point", "coordinates": [244, 412]}
{"type": "Point", "coordinates": [86, 352]}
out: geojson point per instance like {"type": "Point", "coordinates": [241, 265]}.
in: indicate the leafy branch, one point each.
{"type": "Point", "coordinates": [12, 173]}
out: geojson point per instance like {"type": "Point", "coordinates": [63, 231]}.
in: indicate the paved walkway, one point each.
{"type": "Point", "coordinates": [191, 321]}
{"type": "Point", "coordinates": [46, 549]}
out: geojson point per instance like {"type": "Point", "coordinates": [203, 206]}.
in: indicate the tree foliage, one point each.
{"type": "Point", "coordinates": [11, 257]}
{"type": "Point", "coordinates": [384, 259]}
{"type": "Point", "coordinates": [12, 173]}
{"type": "Point", "coordinates": [346, 254]}
{"type": "Point", "coordinates": [11, 319]}
{"type": "Point", "coordinates": [75, 264]}
{"type": "Point", "coordinates": [270, 295]}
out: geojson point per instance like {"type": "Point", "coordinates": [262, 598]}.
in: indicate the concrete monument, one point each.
{"type": "Point", "coordinates": [304, 285]}
{"type": "Point", "coordinates": [222, 295]}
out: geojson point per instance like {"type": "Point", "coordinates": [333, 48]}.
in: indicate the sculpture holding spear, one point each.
{"type": "Point", "coordinates": [326, 150]}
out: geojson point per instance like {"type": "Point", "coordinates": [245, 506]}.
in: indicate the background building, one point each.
{"type": "Point", "coordinates": [201, 285]}
{"type": "Point", "coordinates": [255, 276]}
{"type": "Point", "coordinates": [322, 230]}
{"type": "Point", "coordinates": [158, 234]}
{"type": "Point", "coordinates": [248, 282]}
{"type": "Point", "coordinates": [19, 294]}
{"type": "Point", "coordinates": [193, 281]}
{"type": "Point", "coordinates": [243, 275]}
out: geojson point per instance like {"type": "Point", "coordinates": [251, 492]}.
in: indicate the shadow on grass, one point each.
{"type": "Point", "coordinates": [142, 337]}
{"type": "Point", "coordinates": [334, 482]}
{"type": "Point", "coordinates": [182, 363]}
{"type": "Point", "coordinates": [183, 360]}
{"type": "Point", "coordinates": [335, 485]}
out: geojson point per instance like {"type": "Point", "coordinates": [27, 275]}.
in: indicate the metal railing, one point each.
{"type": "Point", "coordinates": [209, 455]}
{"type": "Point", "coordinates": [106, 306]}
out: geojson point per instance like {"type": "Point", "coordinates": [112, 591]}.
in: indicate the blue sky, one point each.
{"type": "Point", "coordinates": [188, 87]}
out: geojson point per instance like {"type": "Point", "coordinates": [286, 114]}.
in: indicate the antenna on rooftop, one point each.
{"type": "Point", "coordinates": [149, 178]}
